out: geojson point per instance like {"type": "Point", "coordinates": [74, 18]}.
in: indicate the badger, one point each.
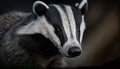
{"type": "Point", "coordinates": [44, 36]}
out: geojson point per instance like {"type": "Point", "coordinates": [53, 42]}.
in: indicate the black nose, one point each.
{"type": "Point", "coordinates": [74, 52]}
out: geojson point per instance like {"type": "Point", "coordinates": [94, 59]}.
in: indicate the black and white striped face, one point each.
{"type": "Point", "coordinates": [63, 25]}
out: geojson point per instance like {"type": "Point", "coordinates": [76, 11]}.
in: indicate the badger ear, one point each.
{"type": "Point", "coordinates": [83, 6]}
{"type": "Point", "coordinates": [39, 8]}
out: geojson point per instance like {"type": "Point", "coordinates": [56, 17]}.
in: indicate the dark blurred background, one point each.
{"type": "Point", "coordinates": [102, 36]}
{"type": "Point", "coordinates": [26, 5]}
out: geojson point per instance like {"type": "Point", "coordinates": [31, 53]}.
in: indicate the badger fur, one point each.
{"type": "Point", "coordinates": [6, 22]}
{"type": "Point", "coordinates": [43, 37]}
{"type": "Point", "coordinates": [8, 19]}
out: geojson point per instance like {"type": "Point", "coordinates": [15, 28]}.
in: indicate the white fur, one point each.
{"type": "Point", "coordinates": [72, 23]}
{"type": "Point", "coordinates": [41, 26]}
{"type": "Point", "coordinates": [82, 29]}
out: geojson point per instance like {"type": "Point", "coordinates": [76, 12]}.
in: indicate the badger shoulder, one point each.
{"type": "Point", "coordinates": [9, 19]}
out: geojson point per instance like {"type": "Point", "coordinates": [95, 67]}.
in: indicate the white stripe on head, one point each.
{"type": "Point", "coordinates": [82, 28]}
{"type": "Point", "coordinates": [71, 20]}
{"type": "Point", "coordinates": [41, 26]}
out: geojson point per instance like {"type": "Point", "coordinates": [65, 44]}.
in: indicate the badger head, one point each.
{"type": "Point", "coordinates": [62, 24]}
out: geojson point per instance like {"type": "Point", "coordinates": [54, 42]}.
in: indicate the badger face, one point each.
{"type": "Point", "coordinates": [63, 25]}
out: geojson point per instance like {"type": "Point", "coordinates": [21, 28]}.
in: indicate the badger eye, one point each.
{"type": "Point", "coordinates": [78, 30]}
{"type": "Point", "coordinates": [57, 29]}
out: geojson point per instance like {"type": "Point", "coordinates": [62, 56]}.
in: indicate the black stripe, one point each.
{"type": "Point", "coordinates": [84, 8]}
{"type": "Point", "coordinates": [53, 16]}
{"type": "Point", "coordinates": [78, 20]}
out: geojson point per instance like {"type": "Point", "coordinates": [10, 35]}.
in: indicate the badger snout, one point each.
{"type": "Point", "coordinates": [74, 52]}
{"type": "Point", "coordinates": [71, 51]}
